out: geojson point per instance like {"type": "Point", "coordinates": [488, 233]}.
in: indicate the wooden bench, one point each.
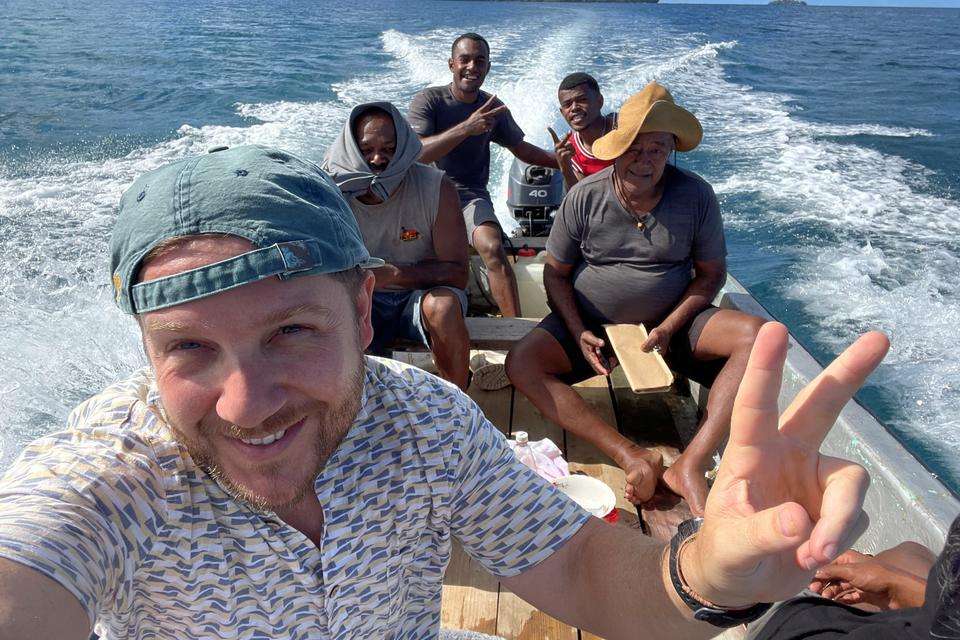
{"type": "Point", "coordinates": [495, 334]}
{"type": "Point", "coordinates": [475, 600]}
{"type": "Point", "coordinates": [498, 333]}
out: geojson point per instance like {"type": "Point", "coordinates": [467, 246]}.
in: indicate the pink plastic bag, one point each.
{"type": "Point", "coordinates": [542, 456]}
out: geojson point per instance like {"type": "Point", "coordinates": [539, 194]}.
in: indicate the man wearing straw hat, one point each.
{"type": "Point", "coordinates": [639, 242]}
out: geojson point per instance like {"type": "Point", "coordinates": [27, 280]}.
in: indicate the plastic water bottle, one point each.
{"type": "Point", "coordinates": [524, 451]}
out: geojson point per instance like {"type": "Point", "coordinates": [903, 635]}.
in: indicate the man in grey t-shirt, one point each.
{"type": "Point", "coordinates": [641, 241]}
{"type": "Point", "coordinates": [456, 124]}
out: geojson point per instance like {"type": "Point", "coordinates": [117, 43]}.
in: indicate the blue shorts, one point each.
{"type": "Point", "coordinates": [396, 316]}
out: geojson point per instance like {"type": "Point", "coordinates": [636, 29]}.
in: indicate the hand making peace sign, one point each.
{"type": "Point", "coordinates": [484, 119]}
{"type": "Point", "coordinates": [779, 509]}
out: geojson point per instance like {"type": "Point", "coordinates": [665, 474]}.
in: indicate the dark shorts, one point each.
{"type": "Point", "coordinates": [679, 356]}
{"type": "Point", "coordinates": [396, 316]}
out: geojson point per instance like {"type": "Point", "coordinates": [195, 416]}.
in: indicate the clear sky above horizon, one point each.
{"type": "Point", "coordinates": [943, 4]}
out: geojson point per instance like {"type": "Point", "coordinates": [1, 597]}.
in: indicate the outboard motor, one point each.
{"type": "Point", "coordinates": [533, 196]}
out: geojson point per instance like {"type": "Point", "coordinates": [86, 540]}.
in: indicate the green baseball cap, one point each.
{"type": "Point", "coordinates": [287, 207]}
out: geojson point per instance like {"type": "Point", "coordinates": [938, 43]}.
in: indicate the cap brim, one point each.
{"type": "Point", "coordinates": [664, 117]}
{"type": "Point", "coordinates": [372, 263]}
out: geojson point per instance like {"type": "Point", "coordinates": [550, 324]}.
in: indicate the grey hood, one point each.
{"type": "Point", "coordinates": [349, 170]}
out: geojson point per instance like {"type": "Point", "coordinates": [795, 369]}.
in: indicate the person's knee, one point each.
{"type": "Point", "coordinates": [525, 363]}
{"type": "Point", "coordinates": [748, 332]}
{"type": "Point", "coordinates": [741, 336]}
{"type": "Point", "coordinates": [488, 244]}
{"type": "Point", "coordinates": [441, 307]}
{"type": "Point", "coordinates": [518, 363]}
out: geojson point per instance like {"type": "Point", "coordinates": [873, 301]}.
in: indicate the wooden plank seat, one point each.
{"type": "Point", "coordinates": [537, 243]}
{"type": "Point", "coordinates": [495, 334]}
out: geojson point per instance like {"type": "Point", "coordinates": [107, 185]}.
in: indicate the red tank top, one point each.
{"type": "Point", "coordinates": [585, 162]}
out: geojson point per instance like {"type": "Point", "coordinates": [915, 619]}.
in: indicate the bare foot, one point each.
{"type": "Point", "coordinates": [688, 481]}
{"type": "Point", "coordinates": [643, 468]}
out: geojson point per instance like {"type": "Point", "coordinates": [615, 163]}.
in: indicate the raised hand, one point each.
{"type": "Point", "coordinates": [484, 119]}
{"type": "Point", "coordinates": [562, 148]}
{"type": "Point", "coordinates": [779, 509]}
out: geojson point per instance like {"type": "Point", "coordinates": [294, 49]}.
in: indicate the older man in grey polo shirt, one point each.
{"type": "Point", "coordinates": [641, 241]}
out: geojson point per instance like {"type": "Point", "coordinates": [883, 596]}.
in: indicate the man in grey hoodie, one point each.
{"type": "Point", "coordinates": [409, 215]}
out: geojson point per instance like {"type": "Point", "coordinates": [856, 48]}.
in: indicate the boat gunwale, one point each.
{"type": "Point", "coordinates": [858, 433]}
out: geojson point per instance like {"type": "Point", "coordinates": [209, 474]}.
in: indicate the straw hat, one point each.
{"type": "Point", "coordinates": [653, 109]}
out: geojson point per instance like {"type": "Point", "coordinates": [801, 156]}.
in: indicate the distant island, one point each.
{"type": "Point", "coordinates": [622, 1]}
{"type": "Point", "coordinates": [792, 3]}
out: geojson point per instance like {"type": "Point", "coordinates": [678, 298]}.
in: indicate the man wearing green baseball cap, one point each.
{"type": "Point", "coordinates": [264, 479]}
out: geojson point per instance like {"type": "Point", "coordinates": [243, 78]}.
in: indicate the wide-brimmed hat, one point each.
{"type": "Point", "coordinates": [652, 109]}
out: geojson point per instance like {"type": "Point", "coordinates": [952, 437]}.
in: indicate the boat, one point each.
{"type": "Point", "coordinates": [905, 501]}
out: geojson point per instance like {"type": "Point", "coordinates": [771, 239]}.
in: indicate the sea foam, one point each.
{"type": "Point", "coordinates": [871, 243]}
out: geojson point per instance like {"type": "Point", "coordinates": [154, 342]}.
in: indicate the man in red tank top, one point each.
{"type": "Point", "coordinates": [580, 104]}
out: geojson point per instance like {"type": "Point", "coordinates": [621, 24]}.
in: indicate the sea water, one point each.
{"type": "Point", "coordinates": [831, 138]}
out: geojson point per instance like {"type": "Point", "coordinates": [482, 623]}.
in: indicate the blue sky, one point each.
{"type": "Point", "coordinates": [952, 4]}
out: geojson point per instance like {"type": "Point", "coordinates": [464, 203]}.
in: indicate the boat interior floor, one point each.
{"type": "Point", "coordinates": [475, 600]}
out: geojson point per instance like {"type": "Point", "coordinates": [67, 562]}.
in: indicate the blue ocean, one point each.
{"type": "Point", "coordinates": [831, 138]}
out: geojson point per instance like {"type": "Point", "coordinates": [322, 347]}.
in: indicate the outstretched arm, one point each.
{"type": "Point", "coordinates": [532, 154]}
{"type": "Point", "coordinates": [34, 606]}
{"type": "Point", "coordinates": [449, 245]}
{"type": "Point", "coordinates": [609, 580]}
{"type": "Point", "coordinates": [778, 510]}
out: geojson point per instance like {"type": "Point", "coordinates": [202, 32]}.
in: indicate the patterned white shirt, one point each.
{"type": "Point", "coordinates": [116, 511]}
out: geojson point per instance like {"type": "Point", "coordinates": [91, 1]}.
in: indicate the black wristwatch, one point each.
{"type": "Point", "coordinates": [702, 609]}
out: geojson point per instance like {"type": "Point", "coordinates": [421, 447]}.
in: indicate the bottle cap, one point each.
{"type": "Point", "coordinates": [521, 437]}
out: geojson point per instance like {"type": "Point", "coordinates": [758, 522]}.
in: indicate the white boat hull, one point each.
{"type": "Point", "coordinates": [905, 500]}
